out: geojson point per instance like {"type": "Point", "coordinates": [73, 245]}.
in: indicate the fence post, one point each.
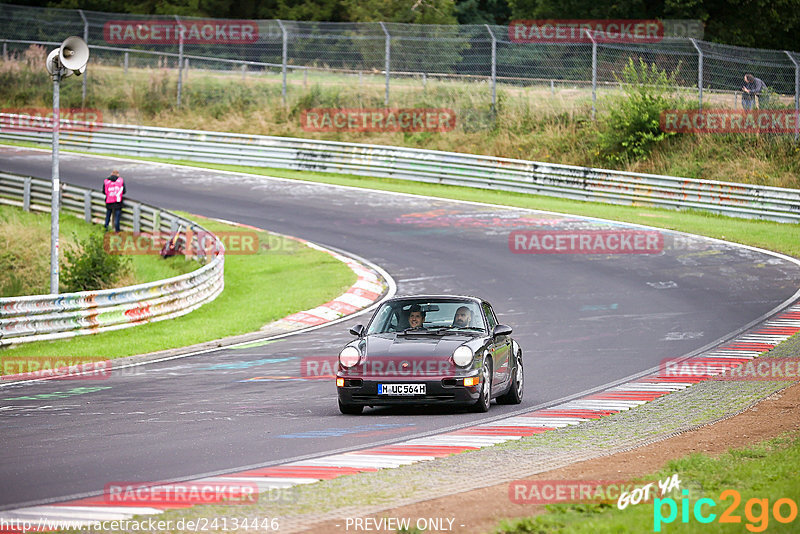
{"type": "Point", "coordinates": [5, 51]}
{"type": "Point", "coordinates": [594, 75]}
{"type": "Point", "coordinates": [699, 72]}
{"type": "Point", "coordinates": [137, 218]}
{"type": "Point", "coordinates": [494, 67]}
{"type": "Point", "coordinates": [284, 57]}
{"type": "Point", "coordinates": [244, 71]}
{"type": "Point", "coordinates": [26, 194]}
{"type": "Point", "coordinates": [87, 206]}
{"type": "Point", "coordinates": [126, 63]}
{"type": "Point", "coordinates": [796, 95]}
{"type": "Point", "coordinates": [86, 40]}
{"type": "Point", "coordinates": [180, 58]}
{"type": "Point", "coordinates": [388, 56]}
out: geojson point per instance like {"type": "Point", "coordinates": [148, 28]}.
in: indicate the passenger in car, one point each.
{"type": "Point", "coordinates": [463, 317]}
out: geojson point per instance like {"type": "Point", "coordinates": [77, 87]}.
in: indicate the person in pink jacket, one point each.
{"type": "Point", "coordinates": [113, 189]}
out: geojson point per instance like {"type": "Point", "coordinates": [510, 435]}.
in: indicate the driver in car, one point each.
{"type": "Point", "coordinates": [415, 317]}
{"type": "Point", "coordinates": [463, 317]}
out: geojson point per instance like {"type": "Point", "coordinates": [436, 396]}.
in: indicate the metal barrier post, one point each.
{"type": "Point", "coordinates": [699, 73]}
{"type": "Point", "coordinates": [137, 218]}
{"type": "Point", "coordinates": [87, 206]}
{"type": "Point", "coordinates": [126, 63]}
{"type": "Point", "coordinates": [796, 96]}
{"type": "Point", "coordinates": [494, 67]}
{"type": "Point", "coordinates": [26, 194]}
{"type": "Point", "coordinates": [284, 59]}
{"type": "Point", "coordinates": [388, 57]}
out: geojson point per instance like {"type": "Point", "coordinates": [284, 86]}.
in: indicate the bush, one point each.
{"type": "Point", "coordinates": [89, 267]}
{"type": "Point", "coordinates": [632, 128]}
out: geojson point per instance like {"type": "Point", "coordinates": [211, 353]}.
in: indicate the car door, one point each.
{"type": "Point", "coordinates": [500, 349]}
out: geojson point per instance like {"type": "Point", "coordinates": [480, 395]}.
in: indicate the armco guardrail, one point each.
{"type": "Point", "coordinates": [41, 317]}
{"type": "Point", "coordinates": [566, 181]}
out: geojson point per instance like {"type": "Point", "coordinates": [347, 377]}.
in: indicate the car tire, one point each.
{"type": "Point", "coordinates": [515, 391]}
{"type": "Point", "coordinates": [350, 409]}
{"type": "Point", "coordinates": [485, 399]}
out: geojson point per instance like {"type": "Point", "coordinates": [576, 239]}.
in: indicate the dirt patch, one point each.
{"type": "Point", "coordinates": [479, 511]}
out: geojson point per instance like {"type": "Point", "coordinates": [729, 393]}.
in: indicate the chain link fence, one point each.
{"type": "Point", "coordinates": [464, 67]}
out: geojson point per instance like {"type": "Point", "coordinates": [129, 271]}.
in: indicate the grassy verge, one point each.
{"type": "Point", "coordinates": [531, 122]}
{"type": "Point", "coordinates": [761, 475]}
{"type": "Point", "coordinates": [25, 256]}
{"type": "Point", "coordinates": [259, 288]}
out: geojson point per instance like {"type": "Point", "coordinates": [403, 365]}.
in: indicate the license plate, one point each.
{"type": "Point", "coordinates": [401, 389]}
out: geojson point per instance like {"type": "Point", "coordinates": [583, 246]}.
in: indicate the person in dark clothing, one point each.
{"type": "Point", "coordinates": [750, 90]}
{"type": "Point", "coordinates": [113, 190]}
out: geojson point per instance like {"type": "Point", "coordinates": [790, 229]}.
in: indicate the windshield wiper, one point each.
{"type": "Point", "coordinates": [443, 329]}
{"type": "Point", "coordinates": [422, 330]}
{"type": "Point", "coordinates": [460, 329]}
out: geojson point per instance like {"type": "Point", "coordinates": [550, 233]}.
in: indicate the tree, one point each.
{"type": "Point", "coordinates": [483, 12]}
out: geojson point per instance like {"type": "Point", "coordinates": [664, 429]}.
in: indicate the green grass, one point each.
{"type": "Point", "coordinates": [527, 122]}
{"type": "Point", "coordinates": [769, 470]}
{"type": "Point", "coordinates": [259, 288]}
{"type": "Point", "coordinates": [25, 257]}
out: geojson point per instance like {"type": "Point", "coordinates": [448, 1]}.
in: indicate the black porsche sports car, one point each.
{"type": "Point", "coordinates": [430, 350]}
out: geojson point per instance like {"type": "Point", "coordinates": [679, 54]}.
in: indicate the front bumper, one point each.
{"type": "Point", "coordinates": [447, 390]}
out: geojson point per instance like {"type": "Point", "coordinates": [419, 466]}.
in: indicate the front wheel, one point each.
{"type": "Point", "coordinates": [514, 393]}
{"type": "Point", "coordinates": [350, 409]}
{"type": "Point", "coordinates": [485, 400]}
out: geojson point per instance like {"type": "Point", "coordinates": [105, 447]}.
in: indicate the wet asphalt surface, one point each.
{"type": "Point", "coordinates": [583, 320]}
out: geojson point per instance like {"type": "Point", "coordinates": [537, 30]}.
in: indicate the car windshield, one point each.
{"type": "Point", "coordinates": [427, 316]}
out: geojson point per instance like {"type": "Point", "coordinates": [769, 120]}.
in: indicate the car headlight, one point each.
{"type": "Point", "coordinates": [349, 356]}
{"type": "Point", "coordinates": [462, 356]}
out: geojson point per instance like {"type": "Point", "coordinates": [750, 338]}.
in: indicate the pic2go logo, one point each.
{"type": "Point", "coordinates": [756, 511]}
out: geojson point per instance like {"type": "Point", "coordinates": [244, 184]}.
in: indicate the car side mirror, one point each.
{"type": "Point", "coordinates": [501, 330]}
{"type": "Point", "coordinates": [357, 330]}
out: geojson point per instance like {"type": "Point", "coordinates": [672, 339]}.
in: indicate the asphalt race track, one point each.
{"type": "Point", "coordinates": [584, 320]}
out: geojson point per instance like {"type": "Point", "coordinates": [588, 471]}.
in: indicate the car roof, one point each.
{"type": "Point", "coordinates": [466, 298]}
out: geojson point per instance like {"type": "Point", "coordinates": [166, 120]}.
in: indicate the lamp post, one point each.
{"type": "Point", "coordinates": [71, 57]}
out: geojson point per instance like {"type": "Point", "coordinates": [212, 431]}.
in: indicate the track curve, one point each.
{"type": "Point", "coordinates": [584, 321]}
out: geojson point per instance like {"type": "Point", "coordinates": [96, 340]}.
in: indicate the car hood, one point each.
{"type": "Point", "coordinates": [413, 345]}
{"type": "Point", "coordinates": [398, 357]}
